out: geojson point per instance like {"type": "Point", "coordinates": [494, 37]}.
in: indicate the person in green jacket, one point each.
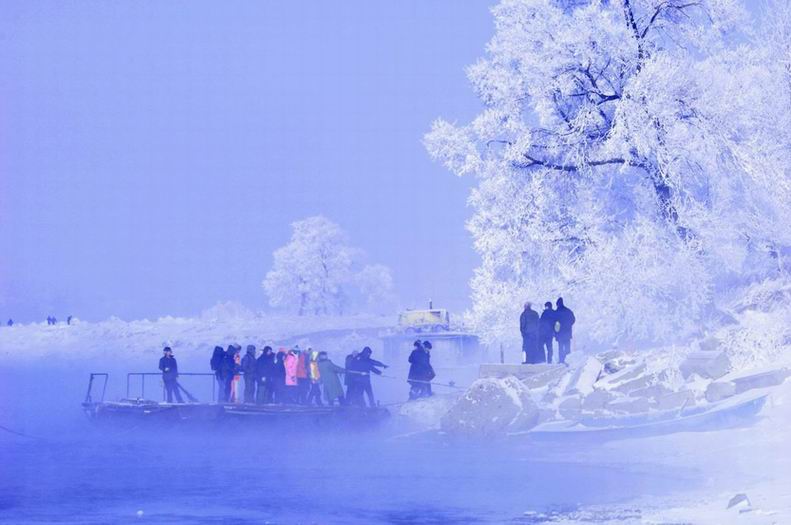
{"type": "Point", "coordinates": [328, 377]}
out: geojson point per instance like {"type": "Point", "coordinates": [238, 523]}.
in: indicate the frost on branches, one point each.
{"type": "Point", "coordinates": [632, 155]}
{"type": "Point", "coordinates": [318, 272]}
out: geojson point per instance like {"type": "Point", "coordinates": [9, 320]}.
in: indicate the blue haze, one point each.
{"type": "Point", "coordinates": [153, 154]}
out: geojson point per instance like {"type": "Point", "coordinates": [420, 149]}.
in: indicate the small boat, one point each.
{"type": "Point", "coordinates": [136, 411]}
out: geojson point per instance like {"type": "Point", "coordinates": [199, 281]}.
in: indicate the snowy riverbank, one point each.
{"type": "Point", "coordinates": [220, 325]}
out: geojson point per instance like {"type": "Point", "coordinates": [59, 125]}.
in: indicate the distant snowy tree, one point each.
{"type": "Point", "coordinates": [632, 155]}
{"type": "Point", "coordinates": [310, 272]}
{"type": "Point", "coordinates": [316, 272]}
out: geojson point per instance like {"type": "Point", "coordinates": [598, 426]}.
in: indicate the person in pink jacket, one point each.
{"type": "Point", "coordinates": [291, 376]}
{"type": "Point", "coordinates": [303, 381]}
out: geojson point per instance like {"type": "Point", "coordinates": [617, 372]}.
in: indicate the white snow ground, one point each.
{"type": "Point", "coordinates": [189, 337]}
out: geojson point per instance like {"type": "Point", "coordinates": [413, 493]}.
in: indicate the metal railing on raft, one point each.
{"type": "Point", "coordinates": [106, 376]}
{"type": "Point", "coordinates": [143, 376]}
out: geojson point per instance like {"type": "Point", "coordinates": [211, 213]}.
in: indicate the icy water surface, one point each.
{"type": "Point", "coordinates": [247, 478]}
{"type": "Point", "coordinates": [71, 472]}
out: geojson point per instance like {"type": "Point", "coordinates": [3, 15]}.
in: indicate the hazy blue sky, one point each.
{"type": "Point", "coordinates": [153, 154]}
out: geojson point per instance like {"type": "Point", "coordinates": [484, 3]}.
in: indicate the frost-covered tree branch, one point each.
{"type": "Point", "coordinates": [619, 128]}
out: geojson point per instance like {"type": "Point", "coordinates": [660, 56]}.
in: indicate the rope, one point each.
{"type": "Point", "coordinates": [12, 431]}
{"type": "Point", "coordinates": [449, 385]}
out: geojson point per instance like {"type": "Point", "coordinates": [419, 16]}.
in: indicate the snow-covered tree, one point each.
{"type": "Point", "coordinates": [317, 271]}
{"type": "Point", "coordinates": [632, 155]}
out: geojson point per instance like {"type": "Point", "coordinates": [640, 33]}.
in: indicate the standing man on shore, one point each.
{"type": "Point", "coordinates": [565, 319]}
{"type": "Point", "coordinates": [546, 331]}
{"type": "Point", "coordinates": [528, 325]}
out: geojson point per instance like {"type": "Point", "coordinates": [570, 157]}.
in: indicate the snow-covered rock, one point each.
{"type": "Point", "coordinates": [760, 380]}
{"type": "Point", "coordinates": [597, 400]}
{"type": "Point", "coordinates": [652, 392]}
{"type": "Point", "coordinates": [675, 400]}
{"type": "Point", "coordinates": [533, 376]}
{"type": "Point", "coordinates": [627, 373]}
{"type": "Point", "coordinates": [428, 412]}
{"type": "Point", "coordinates": [570, 408]}
{"type": "Point", "coordinates": [710, 364]}
{"type": "Point", "coordinates": [492, 407]}
{"type": "Point", "coordinates": [719, 390]}
{"type": "Point", "coordinates": [585, 377]}
{"type": "Point", "coordinates": [629, 405]}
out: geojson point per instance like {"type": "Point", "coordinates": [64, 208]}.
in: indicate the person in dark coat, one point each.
{"type": "Point", "coordinates": [417, 365]}
{"type": "Point", "coordinates": [546, 331]}
{"type": "Point", "coordinates": [528, 325]}
{"type": "Point", "coordinates": [229, 370]}
{"type": "Point", "coordinates": [420, 370]}
{"type": "Point", "coordinates": [265, 371]}
{"type": "Point", "coordinates": [565, 321]}
{"type": "Point", "coordinates": [170, 374]}
{"type": "Point", "coordinates": [430, 375]}
{"type": "Point", "coordinates": [249, 369]}
{"type": "Point", "coordinates": [362, 367]}
{"type": "Point", "coordinates": [350, 379]}
{"type": "Point", "coordinates": [216, 362]}
{"type": "Point", "coordinates": [279, 383]}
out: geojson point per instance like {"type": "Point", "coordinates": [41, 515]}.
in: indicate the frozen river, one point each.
{"type": "Point", "coordinates": [249, 478]}
{"type": "Point", "coordinates": [70, 472]}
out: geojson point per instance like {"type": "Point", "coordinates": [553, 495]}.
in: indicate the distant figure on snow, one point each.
{"type": "Point", "coordinates": [249, 368]}
{"type": "Point", "coordinates": [546, 331]}
{"type": "Point", "coordinates": [10, 322]}
{"type": "Point", "coordinates": [68, 320]}
{"type": "Point", "coordinates": [528, 326]}
{"type": "Point", "coordinates": [565, 320]}
{"type": "Point", "coordinates": [170, 374]}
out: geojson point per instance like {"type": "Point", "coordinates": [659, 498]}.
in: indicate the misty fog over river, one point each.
{"type": "Point", "coordinates": [65, 470]}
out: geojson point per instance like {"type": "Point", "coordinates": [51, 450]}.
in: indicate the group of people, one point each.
{"type": "Point", "coordinates": [296, 376]}
{"type": "Point", "coordinates": [293, 376]}
{"type": "Point", "coordinates": [51, 320]}
{"type": "Point", "coordinates": [539, 332]}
